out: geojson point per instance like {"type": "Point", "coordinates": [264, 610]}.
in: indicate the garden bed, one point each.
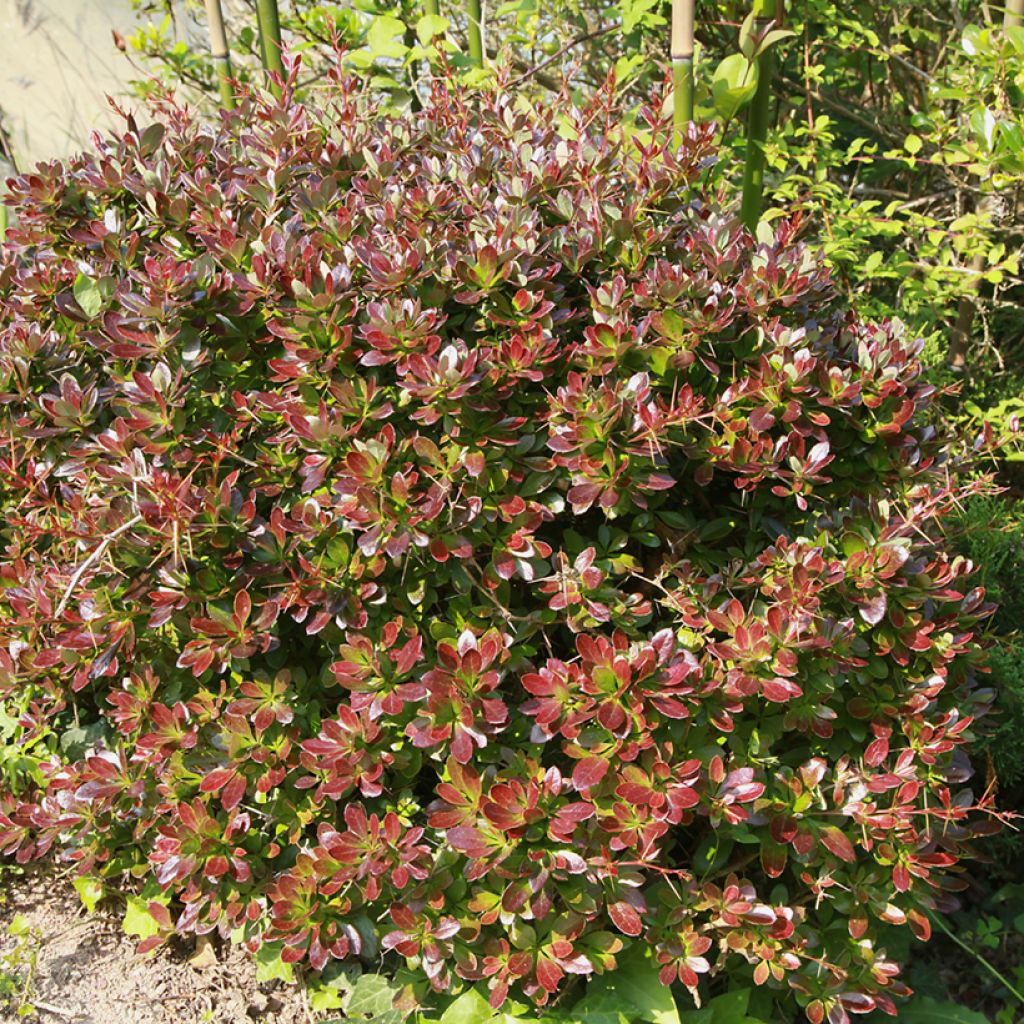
{"type": "Point", "coordinates": [86, 970]}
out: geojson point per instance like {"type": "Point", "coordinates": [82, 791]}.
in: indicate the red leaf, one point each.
{"type": "Point", "coordinates": [216, 779]}
{"type": "Point", "coordinates": [780, 690]}
{"type": "Point", "coordinates": [837, 842]}
{"type": "Point", "coordinates": [233, 793]}
{"type": "Point", "coordinates": [549, 974]}
{"type": "Point", "coordinates": [589, 772]}
{"type": "Point", "coordinates": [468, 840]}
{"type": "Point", "coordinates": [873, 610]}
{"type": "Point", "coordinates": [625, 918]}
{"type": "Point", "coordinates": [877, 751]}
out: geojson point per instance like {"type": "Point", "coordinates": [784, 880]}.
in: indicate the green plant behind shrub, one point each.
{"type": "Point", "coordinates": [450, 540]}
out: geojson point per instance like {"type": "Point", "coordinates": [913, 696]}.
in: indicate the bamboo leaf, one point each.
{"type": "Point", "coordinates": [733, 84]}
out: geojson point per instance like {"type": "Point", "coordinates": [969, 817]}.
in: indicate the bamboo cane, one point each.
{"type": "Point", "coordinates": [682, 64]}
{"type": "Point", "coordinates": [759, 117]}
{"type": "Point", "coordinates": [474, 17]}
{"type": "Point", "coordinates": [270, 41]}
{"type": "Point", "coordinates": [221, 53]}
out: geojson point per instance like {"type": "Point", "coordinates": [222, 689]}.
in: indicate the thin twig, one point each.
{"type": "Point", "coordinates": [58, 1011]}
{"type": "Point", "coordinates": [93, 558]}
{"type": "Point", "coordinates": [586, 37]}
{"type": "Point", "coordinates": [935, 919]}
{"type": "Point", "coordinates": [305, 1002]}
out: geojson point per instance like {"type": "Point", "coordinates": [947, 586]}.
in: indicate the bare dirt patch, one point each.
{"type": "Point", "coordinates": [87, 971]}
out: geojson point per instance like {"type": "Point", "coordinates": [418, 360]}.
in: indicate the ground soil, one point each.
{"type": "Point", "coordinates": [87, 970]}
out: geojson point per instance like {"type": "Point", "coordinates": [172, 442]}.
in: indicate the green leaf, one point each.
{"type": "Point", "coordinates": [372, 998]}
{"type": "Point", "coordinates": [640, 12]}
{"type": "Point", "coordinates": [747, 45]}
{"type": "Point", "coordinates": [323, 999]}
{"type": "Point", "coordinates": [88, 295]}
{"type": "Point", "coordinates": [923, 1010]}
{"type": "Point", "coordinates": [728, 1008]}
{"type": "Point", "coordinates": [429, 26]}
{"type": "Point", "coordinates": [270, 966]}
{"type": "Point", "coordinates": [138, 921]}
{"type": "Point", "coordinates": [733, 83]}
{"type": "Point", "coordinates": [626, 66]}
{"type": "Point", "coordinates": [912, 144]}
{"type": "Point", "coordinates": [90, 892]}
{"type": "Point", "coordinates": [635, 982]}
{"type": "Point", "coordinates": [774, 36]}
{"type": "Point", "coordinates": [975, 40]}
{"type": "Point", "coordinates": [601, 1008]}
{"type": "Point", "coordinates": [382, 37]}
{"type": "Point", "coordinates": [469, 1008]}
{"type": "Point", "coordinates": [1016, 36]}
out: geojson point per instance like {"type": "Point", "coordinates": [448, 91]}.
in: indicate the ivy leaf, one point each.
{"type": "Point", "coordinates": [138, 921]}
{"type": "Point", "coordinates": [728, 1008]}
{"type": "Point", "coordinates": [90, 892]}
{"type": "Point", "coordinates": [373, 999]}
{"type": "Point", "coordinates": [470, 1008]}
{"type": "Point", "coordinates": [923, 1010]}
{"type": "Point", "coordinates": [601, 1008]}
{"type": "Point", "coordinates": [635, 983]}
{"type": "Point", "coordinates": [270, 966]}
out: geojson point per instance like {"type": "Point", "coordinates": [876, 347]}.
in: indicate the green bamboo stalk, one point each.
{"type": "Point", "coordinates": [221, 53]}
{"type": "Point", "coordinates": [474, 17]}
{"type": "Point", "coordinates": [963, 328]}
{"type": "Point", "coordinates": [759, 117]}
{"type": "Point", "coordinates": [270, 40]}
{"type": "Point", "coordinates": [682, 65]}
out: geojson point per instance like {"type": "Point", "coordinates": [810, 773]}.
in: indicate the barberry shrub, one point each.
{"type": "Point", "coordinates": [451, 538]}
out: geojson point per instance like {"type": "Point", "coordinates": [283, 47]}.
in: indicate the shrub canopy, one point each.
{"type": "Point", "coordinates": [451, 537]}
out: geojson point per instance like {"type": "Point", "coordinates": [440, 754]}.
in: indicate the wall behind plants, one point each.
{"type": "Point", "coordinates": [58, 64]}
